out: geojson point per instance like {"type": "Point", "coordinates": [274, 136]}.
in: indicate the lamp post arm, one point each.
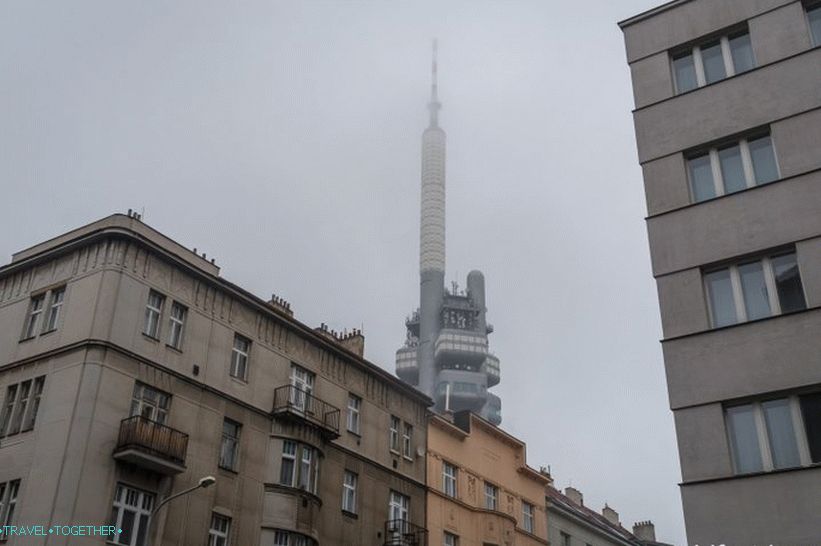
{"type": "Point", "coordinates": [172, 497]}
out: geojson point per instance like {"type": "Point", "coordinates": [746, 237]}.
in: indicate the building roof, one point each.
{"type": "Point", "coordinates": [131, 226]}
{"type": "Point", "coordinates": [651, 12]}
{"type": "Point", "coordinates": [557, 499]}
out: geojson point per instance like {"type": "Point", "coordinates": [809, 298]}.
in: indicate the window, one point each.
{"type": "Point", "coordinates": [229, 448]}
{"type": "Point", "coordinates": [302, 382]}
{"type": "Point", "coordinates": [218, 534]}
{"type": "Point", "coordinates": [349, 492]}
{"type": "Point", "coordinates": [131, 512]}
{"type": "Point", "coordinates": [774, 434]}
{"type": "Point", "coordinates": [54, 307]}
{"type": "Point", "coordinates": [565, 539]}
{"type": "Point", "coordinates": [394, 434]}
{"type": "Point", "coordinates": [287, 470]}
{"type": "Point", "coordinates": [491, 496]}
{"type": "Point", "coordinates": [354, 404]}
{"type": "Point", "coordinates": [814, 18]}
{"type": "Point", "coordinates": [732, 167]}
{"type": "Point", "coordinates": [150, 403]}
{"type": "Point", "coordinates": [304, 474]}
{"type": "Point", "coordinates": [176, 322]}
{"type": "Point", "coordinates": [754, 290]}
{"type": "Point", "coordinates": [19, 410]}
{"type": "Point", "coordinates": [153, 312]}
{"type": "Point", "coordinates": [712, 61]}
{"type": "Point", "coordinates": [287, 538]}
{"type": "Point", "coordinates": [398, 506]}
{"type": "Point", "coordinates": [449, 473]}
{"type": "Point", "coordinates": [527, 516]}
{"type": "Point", "coordinates": [450, 540]}
{"type": "Point", "coordinates": [407, 441]}
{"type": "Point", "coordinates": [239, 357]}
{"type": "Point", "coordinates": [8, 501]}
{"type": "Point", "coordinates": [34, 315]}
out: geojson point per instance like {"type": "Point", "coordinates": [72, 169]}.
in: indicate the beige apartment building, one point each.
{"type": "Point", "coordinates": [728, 125]}
{"type": "Point", "coordinates": [129, 370]}
{"type": "Point", "coordinates": [481, 492]}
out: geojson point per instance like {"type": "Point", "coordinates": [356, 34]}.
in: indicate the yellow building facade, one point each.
{"type": "Point", "coordinates": [480, 490]}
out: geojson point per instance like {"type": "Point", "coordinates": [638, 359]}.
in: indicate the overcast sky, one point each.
{"type": "Point", "coordinates": [283, 138]}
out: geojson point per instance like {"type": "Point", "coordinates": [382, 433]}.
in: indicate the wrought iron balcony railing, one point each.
{"type": "Point", "coordinates": [292, 401]}
{"type": "Point", "coordinates": [400, 532]}
{"type": "Point", "coordinates": [151, 444]}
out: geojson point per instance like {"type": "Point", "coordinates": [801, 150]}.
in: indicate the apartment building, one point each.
{"type": "Point", "coordinates": [480, 489]}
{"type": "Point", "coordinates": [129, 370]}
{"type": "Point", "coordinates": [572, 523]}
{"type": "Point", "coordinates": [728, 124]}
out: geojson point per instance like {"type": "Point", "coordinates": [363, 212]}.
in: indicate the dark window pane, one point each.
{"type": "Point", "coordinates": [811, 411]}
{"type": "Point", "coordinates": [720, 292]}
{"type": "Point", "coordinates": [142, 530]}
{"type": "Point", "coordinates": [788, 283]}
{"type": "Point", "coordinates": [814, 16]}
{"type": "Point", "coordinates": [713, 62]}
{"type": "Point", "coordinates": [685, 73]}
{"type": "Point", "coordinates": [781, 434]}
{"type": "Point", "coordinates": [701, 178]}
{"type": "Point", "coordinates": [127, 526]}
{"type": "Point", "coordinates": [756, 299]}
{"type": "Point", "coordinates": [742, 51]}
{"type": "Point", "coordinates": [761, 152]}
{"type": "Point", "coordinates": [732, 169]}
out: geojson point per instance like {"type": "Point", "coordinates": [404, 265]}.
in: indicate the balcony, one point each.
{"type": "Point", "coordinates": [292, 402]}
{"type": "Point", "coordinates": [151, 445]}
{"type": "Point", "coordinates": [399, 532]}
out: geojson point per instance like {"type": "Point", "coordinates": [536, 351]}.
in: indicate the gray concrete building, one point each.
{"type": "Point", "coordinates": [445, 354]}
{"type": "Point", "coordinates": [130, 369]}
{"type": "Point", "coordinates": [728, 125]}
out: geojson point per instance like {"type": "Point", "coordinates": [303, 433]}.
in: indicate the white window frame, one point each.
{"type": "Point", "coordinates": [394, 433]}
{"type": "Point", "coordinates": [450, 473]}
{"type": "Point", "coordinates": [240, 357]}
{"type": "Point", "coordinates": [176, 324]}
{"type": "Point", "coordinates": [354, 413]}
{"type": "Point", "coordinates": [152, 323]}
{"type": "Point", "coordinates": [398, 506]}
{"type": "Point", "coordinates": [449, 539]}
{"type": "Point", "coordinates": [491, 496]}
{"type": "Point", "coordinates": [34, 315]}
{"type": "Point", "coordinates": [144, 504]}
{"type": "Point", "coordinates": [140, 402]}
{"type": "Point", "coordinates": [55, 305]}
{"type": "Point", "coordinates": [698, 61]}
{"type": "Point", "coordinates": [9, 492]}
{"type": "Point", "coordinates": [528, 516]}
{"type": "Point", "coordinates": [746, 162]}
{"type": "Point", "coordinates": [350, 481]}
{"type": "Point", "coordinates": [738, 291]}
{"type": "Point", "coordinates": [407, 441]}
{"type": "Point", "coordinates": [290, 456]}
{"type": "Point", "coordinates": [219, 532]}
{"type": "Point", "coordinates": [21, 403]}
{"type": "Point", "coordinates": [306, 468]}
{"type": "Point", "coordinates": [763, 438]}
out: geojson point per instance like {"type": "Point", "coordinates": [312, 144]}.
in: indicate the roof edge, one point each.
{"type": "Point", "coordinates": [650, 13]}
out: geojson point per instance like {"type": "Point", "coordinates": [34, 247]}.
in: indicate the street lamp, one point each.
{"type": "Point", "coordinates": [207, 481]}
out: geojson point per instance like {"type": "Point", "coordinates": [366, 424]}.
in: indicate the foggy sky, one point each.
{"type": "Point", "coordinates": [283, 138]}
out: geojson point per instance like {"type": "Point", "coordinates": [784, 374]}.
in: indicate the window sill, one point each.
{"type": "Point", "coordinates": [409, 459]}
{"type": "Point", "coordinates": [351, 515]}
{"type": "Point", "coordinates": [230, 471]}
{"type": "Point", "coordinates": [740, 324]}
{"type": "Point", "coordinates": [395, 453]}
{"type": "Point", "coordinates": [23, 339]}
{"type": "Point", "coordinates": [239, 380]}
{"type": "Point", "coordinates": [152, 338]}
{"type": "Point", "coordinates": [354, 433]}
{"type": "Point", "coordinates": [812, 466]}
{"type": "Point", "coordinates": [175, 349]}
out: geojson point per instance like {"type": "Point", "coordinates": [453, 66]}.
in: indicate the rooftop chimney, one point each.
{"type": "Point", "coordinates": [645, 530]}
{"type": "Point", "coordinates": [574, 495]}
{"type": "Point", "coordinates": [354, 341]}
{"type": "Point", "coordinates": [610, 515]}
{"type": "Point", "coordinates": [279, 304]}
